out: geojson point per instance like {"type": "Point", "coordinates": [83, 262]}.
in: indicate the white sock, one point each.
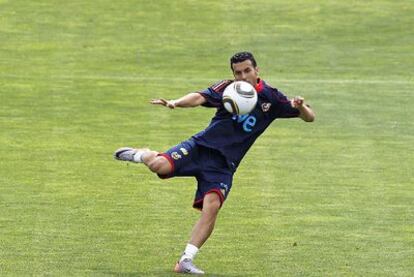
{"type": "Point", "coordinates": [138, 156]}
{"type": "Point", "coordinates": [189, 252]}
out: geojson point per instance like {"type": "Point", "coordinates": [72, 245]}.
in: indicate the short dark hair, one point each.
{"type": "Point", "coordinates": [241, 57]}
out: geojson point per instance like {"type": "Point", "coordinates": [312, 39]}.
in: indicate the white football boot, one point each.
{"type": "Point", "coordinates": [128, 154]}
{"type": "Point", "coordinates": [187, 266]}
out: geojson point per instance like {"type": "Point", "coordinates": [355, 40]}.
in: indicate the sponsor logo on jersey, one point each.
{"type": "Point", "coordinates": [175, 155]}
{"type": "Point", "coordinates": [224, 188]}
{"type": "Point", "coordinates": [248, 121]}
{"type": "Point", "coordinates": [266, 107]}
{"type": "Point", "coordinates": [184, 151]}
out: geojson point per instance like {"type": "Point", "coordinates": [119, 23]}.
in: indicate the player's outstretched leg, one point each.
{"type": "Point", "coordinates": [156, 163]}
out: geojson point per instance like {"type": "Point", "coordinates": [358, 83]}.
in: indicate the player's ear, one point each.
{"type": "Point", "coordinates": [234, 73]}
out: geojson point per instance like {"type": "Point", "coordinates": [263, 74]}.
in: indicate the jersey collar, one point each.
{"type": "Point", "coordinates": [259, 86]}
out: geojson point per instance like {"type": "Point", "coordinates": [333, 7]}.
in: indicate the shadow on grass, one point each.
{"type": "Point", "coordinates": [135, 274]}
{"type": "Point", "coordinates": [163, 273]}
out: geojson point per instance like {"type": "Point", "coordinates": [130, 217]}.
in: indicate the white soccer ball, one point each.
{"type": "Point", "coordinates": [239, 98]}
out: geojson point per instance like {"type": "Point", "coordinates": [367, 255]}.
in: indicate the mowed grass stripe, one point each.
{"type": "Point", "coordinates": [207, 80]}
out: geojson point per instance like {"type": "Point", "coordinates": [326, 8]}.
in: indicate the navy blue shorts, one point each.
{"type": "Point", "coordinates": [207, 165]}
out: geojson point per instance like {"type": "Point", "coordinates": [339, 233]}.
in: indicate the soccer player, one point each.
{"type": "Point", "coordinates": [213, 155]}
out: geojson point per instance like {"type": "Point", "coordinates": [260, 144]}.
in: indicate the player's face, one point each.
{"type": "Point", "coordinates": [245, 71]}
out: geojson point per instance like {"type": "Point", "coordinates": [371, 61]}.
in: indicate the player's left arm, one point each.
{"type": "Point", "coordinates": [305, 112]}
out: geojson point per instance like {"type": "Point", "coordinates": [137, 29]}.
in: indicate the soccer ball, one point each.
{"type": "Point", "coordinates": [239, 98]}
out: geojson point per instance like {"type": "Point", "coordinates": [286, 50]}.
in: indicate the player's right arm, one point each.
{"type": "Point", "coordinates": [210, 97]}
{"type": "Point", "coordinates": [192, 99]}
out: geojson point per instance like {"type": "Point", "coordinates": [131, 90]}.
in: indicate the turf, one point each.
{"type": "Point", "coordinates": [331, 198]}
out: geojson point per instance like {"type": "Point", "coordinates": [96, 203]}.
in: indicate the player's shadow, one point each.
{"type": "Point", "coordinates": [164, 274]}
{"type": "Point", "coordinates": [136, 274]}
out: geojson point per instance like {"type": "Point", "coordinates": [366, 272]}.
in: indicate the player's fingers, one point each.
{"type": "Point", "coordinates": [159, 101]}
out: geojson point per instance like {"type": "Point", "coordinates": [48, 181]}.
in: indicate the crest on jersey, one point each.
{"type": "Point", "coordinates": [175, 155]}
{"type": "Point", "coordinates": [266, 107]}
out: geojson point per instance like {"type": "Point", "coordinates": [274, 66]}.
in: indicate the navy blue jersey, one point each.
{"type": "Point", "coordinates": [233, 135]}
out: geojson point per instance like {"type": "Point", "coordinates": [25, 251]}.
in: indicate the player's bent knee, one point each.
{"type": "Point", "coordinates": [212, 202]}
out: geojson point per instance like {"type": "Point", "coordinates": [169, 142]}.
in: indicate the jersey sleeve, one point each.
{"type": "Point", "coordinates": [214, 94]}
{"type": "Point", "coordinates": [282, 107]}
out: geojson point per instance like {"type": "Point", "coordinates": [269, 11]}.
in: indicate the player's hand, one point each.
{"type": "Point", "coordinates": [297, 102]}
{"type": "Point", "coordinates": [167, 103]}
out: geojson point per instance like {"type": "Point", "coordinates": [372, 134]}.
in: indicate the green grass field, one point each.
{"type": "Point", "coordinates": [331, 198]}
